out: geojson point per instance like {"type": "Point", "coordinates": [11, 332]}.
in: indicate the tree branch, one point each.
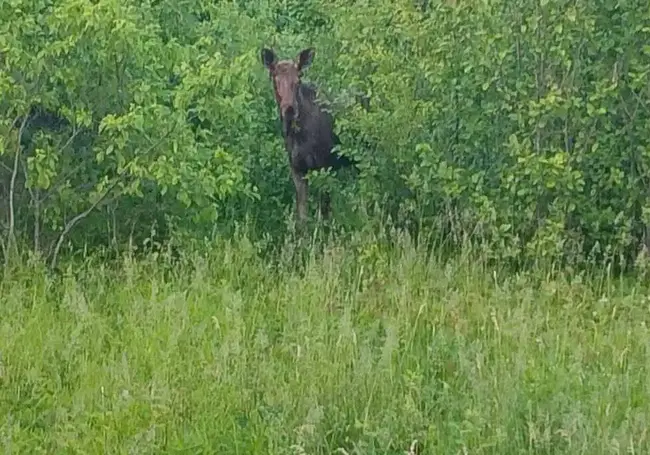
{"type": "Point", "coordinates": [70, 224]}
{"type": "Point", "coordinates": [75, 132]}
{"type": "Point", "coordinates": [5, 167]}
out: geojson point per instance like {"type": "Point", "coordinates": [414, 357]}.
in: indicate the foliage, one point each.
{"type": "Point", "coordinates": [521, 125]}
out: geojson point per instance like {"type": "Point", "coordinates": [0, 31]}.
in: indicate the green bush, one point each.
{"type": "Point", "coordinates": [520, 125]}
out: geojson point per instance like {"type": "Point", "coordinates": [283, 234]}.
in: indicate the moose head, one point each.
{"type": "Point", "coordinates": [286, 75]}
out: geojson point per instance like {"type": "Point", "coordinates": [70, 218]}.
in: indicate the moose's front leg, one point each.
{"type": "Point", "coordinates": [300, 182]}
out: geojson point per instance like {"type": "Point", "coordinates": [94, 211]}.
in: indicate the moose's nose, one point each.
{"type": "Point", "coordinates": [288, 112]}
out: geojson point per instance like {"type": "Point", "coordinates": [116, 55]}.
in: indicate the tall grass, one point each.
{"type": "Point", "coordinates": [359, 350]}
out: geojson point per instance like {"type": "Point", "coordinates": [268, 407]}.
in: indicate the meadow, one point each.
{"type": "Point", "coordinates": [335, 349]}
{"type": "Point", "coordinates": [482, 285]}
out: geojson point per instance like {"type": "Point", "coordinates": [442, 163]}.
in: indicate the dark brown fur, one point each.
{"type": "Point", "coordinates": [307, 129]}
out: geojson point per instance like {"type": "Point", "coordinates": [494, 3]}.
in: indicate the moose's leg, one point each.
{"type": "Point", "coordinates": [300, 183]}
{"type": "Point", "coordinates": [325, 202]}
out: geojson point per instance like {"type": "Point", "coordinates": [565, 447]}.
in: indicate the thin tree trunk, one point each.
{"type": "Point", "coordinates": [11, 238]}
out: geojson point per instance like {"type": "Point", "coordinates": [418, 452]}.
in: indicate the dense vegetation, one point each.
{"type": "Point", "coordinates": [490, 133]}
{"type": "Point", "coordinates": [519, 125]}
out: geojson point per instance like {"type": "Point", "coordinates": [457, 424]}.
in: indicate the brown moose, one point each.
{"type": "Point", "coordinates": [308, 130]}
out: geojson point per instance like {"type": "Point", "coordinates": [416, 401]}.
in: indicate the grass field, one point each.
{"type": "Point", "coordinates": [357, 350]}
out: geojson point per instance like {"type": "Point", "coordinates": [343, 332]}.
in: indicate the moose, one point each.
{"type": "Point", "coordinates": [307, 129]}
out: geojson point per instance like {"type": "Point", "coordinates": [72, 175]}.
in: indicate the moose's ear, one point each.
{"type": "Point", "coordinates": [305, 58]}
{"type": "Point", "coordinates": [268, 58]}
